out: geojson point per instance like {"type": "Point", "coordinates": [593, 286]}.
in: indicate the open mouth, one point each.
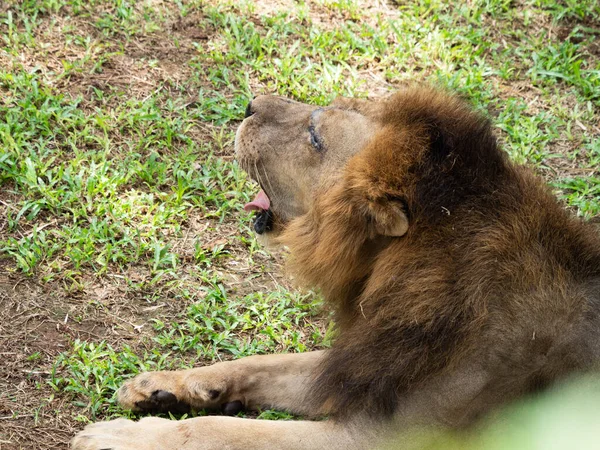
{"type": "Point", "coordinates": [263, 220]}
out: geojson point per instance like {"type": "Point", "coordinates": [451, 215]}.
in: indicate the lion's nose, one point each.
{"type": "Point", "coordinates": [249, 111]}
{"type": "Point", "coordinates": [271, 108]}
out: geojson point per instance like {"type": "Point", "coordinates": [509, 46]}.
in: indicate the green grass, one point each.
{"type": "Point", "coordinates": [117, 121]}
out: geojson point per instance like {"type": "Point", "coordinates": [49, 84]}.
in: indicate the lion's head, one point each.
{"type": "Point", "coordinates": [298, 152]}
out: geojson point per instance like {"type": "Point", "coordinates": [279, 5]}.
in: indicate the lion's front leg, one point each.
{"type": "Point", "coordinates": [271, 381]}
{"type": "Point", "coordinates": [217, 433]}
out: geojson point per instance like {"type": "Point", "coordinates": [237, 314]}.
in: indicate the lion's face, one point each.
{"type": "Point", "coordinates": [294, 151]}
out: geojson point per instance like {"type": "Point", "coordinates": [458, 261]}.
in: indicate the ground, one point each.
{"type": "Point", "coordinates": [123, 243]}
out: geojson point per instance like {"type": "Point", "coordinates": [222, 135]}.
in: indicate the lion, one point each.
{"type": "Point", "coordinates": [458, 281]}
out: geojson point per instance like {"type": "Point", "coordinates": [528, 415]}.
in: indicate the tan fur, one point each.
{"type": "Point", "coordinates": [458, 281]}
{"type": "Point", "coordinates": [259, 382]}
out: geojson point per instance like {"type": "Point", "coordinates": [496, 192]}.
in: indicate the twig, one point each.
{"type": "Point", "coordinates": [9, 206]}
{"type": "Point", "coordinates": [21, 416]}
{"type": "Point", "coordinates": [40, 228]}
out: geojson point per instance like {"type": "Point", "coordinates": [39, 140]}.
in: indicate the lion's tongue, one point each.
{"type": "Point", "coordinates": [261, 201]}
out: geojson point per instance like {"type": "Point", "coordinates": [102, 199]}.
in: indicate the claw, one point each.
{"type": "Point", "coordinates": [161, 402]}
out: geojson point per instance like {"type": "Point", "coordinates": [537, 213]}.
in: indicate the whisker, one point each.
{"type": "Point", "coordinates": [271, 190]}
{"type": "Point", "coordinates": [267, 174]}
{"type": "Point", "coordinates": [257, 172]}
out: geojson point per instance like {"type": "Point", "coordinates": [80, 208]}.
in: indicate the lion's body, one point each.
{"type": "Point", "coordinates": [491, 263]}
{"type": "Point", "coordinates": [458, 281]}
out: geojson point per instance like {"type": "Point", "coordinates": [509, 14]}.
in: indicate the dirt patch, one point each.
{"type": "Point", "coordinates": [30, 339]}
{"type": "Point", "coordinates": [142, 66]}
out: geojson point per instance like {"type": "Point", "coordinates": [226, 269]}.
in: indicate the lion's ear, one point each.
{"type": "Point", "coordinates": [376, 178]}
{"type": "Point", "coordinates": [389, 218]}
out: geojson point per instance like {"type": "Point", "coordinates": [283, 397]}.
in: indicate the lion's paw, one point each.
{"type": "Point", "coordinates": [120, 434]}
{"type": "Point", "coordinates": [153, 392]}
{"type": "Point", "coordinates": [178, 392]}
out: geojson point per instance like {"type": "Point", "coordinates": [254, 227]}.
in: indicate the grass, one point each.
{"type": "Point", "coordinates": [123, 243]}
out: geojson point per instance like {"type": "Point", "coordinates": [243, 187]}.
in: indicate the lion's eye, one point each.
{"type": "Point", "coordinates": [315, 139]}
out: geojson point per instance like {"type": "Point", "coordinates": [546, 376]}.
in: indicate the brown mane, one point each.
{"type": "Point", "coordinates": [488, 256]}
